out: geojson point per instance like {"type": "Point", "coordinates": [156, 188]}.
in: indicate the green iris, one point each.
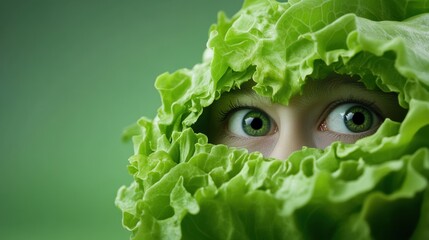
{"type": "Point", "coordinates": [358, 119]}
{"type": "Point", "coordinates": [256, 123]}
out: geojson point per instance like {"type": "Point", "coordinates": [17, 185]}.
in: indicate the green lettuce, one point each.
{"type": "Point", "coordinates": [377, 188]}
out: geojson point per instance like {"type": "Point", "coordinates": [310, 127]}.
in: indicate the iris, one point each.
{"type": "Point", "coordinates": [256, 123]}
{"type": "Point", "coordinates": [358, 119]}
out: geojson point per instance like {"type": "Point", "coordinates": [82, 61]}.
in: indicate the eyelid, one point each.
{"type": "Point", "coordinates": [234, 123]}
{"type": "Point", "coordinates": [369, 104]}
{"type": "Point", "coordinates": [236, 105]}
{"type": "Point", "coordinates": [323, 126]}
{"type": "Point", "coordinates": [232, 107]}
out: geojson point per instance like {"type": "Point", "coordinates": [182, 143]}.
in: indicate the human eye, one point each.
{"type": "Point", "coordinates": [351, 119]}
{"type": "Point", "coordinates": [250, 122]}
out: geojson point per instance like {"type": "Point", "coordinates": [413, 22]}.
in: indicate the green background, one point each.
{"type": "Point", "coordinates": [73, 75]}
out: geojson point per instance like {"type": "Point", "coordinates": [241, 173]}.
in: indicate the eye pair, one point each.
{"type": "Point", "coordinates": [343, 119]}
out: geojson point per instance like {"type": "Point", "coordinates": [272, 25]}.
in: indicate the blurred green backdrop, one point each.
{"type": "Point", "coordinates": [73, 75]}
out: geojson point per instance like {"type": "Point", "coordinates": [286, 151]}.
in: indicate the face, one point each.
{"type": "Point", "coordinates": [327, 111]}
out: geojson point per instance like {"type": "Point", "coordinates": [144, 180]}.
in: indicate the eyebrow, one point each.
{"type": "Point", "coordinates": [329, 86]}
{"type": "Point", "coordinates": [247, 90]}
{"type": "Point", "coordinates": [311, 88]}
{"type": "Point", "coordinates": [332, 84]}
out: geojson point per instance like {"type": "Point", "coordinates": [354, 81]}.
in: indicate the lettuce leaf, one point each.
{"type": "Point", "coordinates": [186, 188]}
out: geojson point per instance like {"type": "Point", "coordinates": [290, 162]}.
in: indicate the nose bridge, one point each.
{"type": "Point", "coordinates": [293, 135]}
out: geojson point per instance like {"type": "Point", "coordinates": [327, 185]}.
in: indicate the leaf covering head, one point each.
{"type": "Point", "coordinates": [187, 188]}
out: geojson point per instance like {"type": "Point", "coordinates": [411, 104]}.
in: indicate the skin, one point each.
{"type": "Point", "coordinates": [313, 119]}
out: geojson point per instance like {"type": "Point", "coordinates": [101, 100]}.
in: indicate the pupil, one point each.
{"type": "Point", "coordinates": [358, 118]}
{"type": "Point", "coordinates": [256, 123]}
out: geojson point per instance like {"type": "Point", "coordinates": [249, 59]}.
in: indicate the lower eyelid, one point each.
{"type": "Point", "coordinates": [345, 138]}
{"type": "Point", "coordinates": [348, 138]}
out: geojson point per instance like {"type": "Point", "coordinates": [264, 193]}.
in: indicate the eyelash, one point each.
{"type": "Point", "coordinates": [353, 100]}
{"type": "Point", "coordinates": [232, 107]}
{"type": "Point", "coordinates": [237, 105]}
{"type": "Point", "coordinates": [370, 104]}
